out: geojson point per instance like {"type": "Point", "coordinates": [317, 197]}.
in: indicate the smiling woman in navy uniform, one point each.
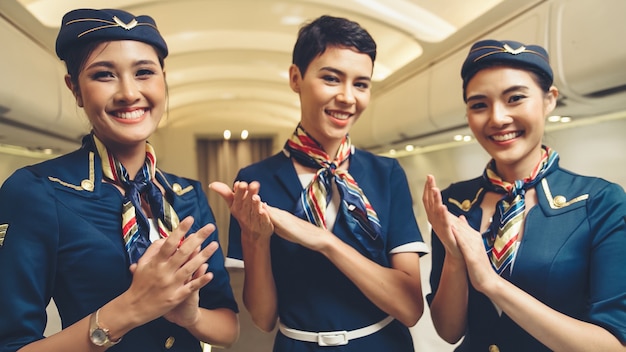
{"type": "Point", "coordinates": [553, 277]}
{"type": "Point", "coordinates": [127, 268]}
{"type": "Point", "coordinates": [334, 256]}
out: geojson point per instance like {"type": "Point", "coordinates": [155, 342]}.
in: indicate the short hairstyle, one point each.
{"type": "Point", "coordinates": [328, 31]}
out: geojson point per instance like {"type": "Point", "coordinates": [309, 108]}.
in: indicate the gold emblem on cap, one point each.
{"type": "Point", "coordinates": [510, 50]}
{"type": "Point", "coordinates": [3, 232]}
{"type": "Point", "coordinates": [127, 26]}
{"type": "Point", "coordinates": [491, 49]}
{"type": "Point", "coordinates": [108, 24]}
{"type": "Point", "coordinates": [177, 188]}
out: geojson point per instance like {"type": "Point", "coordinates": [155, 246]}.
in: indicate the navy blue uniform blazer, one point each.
{"type": "Point", "coordinates": [313, 295]}
{"type": "Point", "coordinates": [571, 258]}
{"type": "Point", "coordinates": [62, 240]}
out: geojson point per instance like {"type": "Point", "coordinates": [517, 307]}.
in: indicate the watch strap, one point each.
{"type": "Point", "coordinates": [99, 335]}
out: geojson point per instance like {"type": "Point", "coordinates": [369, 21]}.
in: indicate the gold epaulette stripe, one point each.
{"type": "Point", "coordinates": [69, 185]}
{"type": "Point", "coordinates": [86, 184]}
{"type": "Point", "coordinates": [560, 201]}
{"type": "Point", "coordinates": [177, 188]}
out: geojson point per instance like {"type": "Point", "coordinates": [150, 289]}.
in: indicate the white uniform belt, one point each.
{"type": "Point", "coordinates": [333, 338]}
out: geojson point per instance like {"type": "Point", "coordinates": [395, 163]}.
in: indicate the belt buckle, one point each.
{"type": "Point", "coordinates": [332, 338]}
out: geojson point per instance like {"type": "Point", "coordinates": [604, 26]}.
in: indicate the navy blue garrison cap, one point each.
{"type": "Point", "coordinates": [87, 25]}
{"type": "Point", "coordinates": [489, 52]}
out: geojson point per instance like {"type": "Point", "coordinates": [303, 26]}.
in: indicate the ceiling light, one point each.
{"type": "Point", "coordinates": [554, 118]}
{"type": "Point", "coordinates": [462, 138]}
{"type": "Point", "coordinates": [292, 20]}
{"type": "Point", "coordinates": [226, 134]}
{"type": "Point", "coordinates": [557, 118]}
{"type": "Point", "coordinates": [244, 134]}
{"type": "Point", "coordinates": [392, 151]}
{"type": "Point", "coordinates": [409, 148]}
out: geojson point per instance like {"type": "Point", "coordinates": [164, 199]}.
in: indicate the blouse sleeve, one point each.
{"type": "Point", "coordinates": [404, 234]}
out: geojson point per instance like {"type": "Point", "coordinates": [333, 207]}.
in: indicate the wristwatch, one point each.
{"type": "Point", "coordinates": [98, 335]}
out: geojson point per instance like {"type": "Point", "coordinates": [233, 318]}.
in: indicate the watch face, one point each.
{"type": "Point", "coordinates": [98, 337]}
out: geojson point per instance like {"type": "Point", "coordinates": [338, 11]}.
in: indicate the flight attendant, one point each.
{"type": "Point", "coordinates": [121, 246]}
{"type": "Point", "coordinates": [326, 232]}
{"type": "Point", "coordinates": [529, 256]}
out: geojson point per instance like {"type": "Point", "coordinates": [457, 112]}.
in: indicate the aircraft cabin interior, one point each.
{"type": "Point", "coordinates": [229, 101]}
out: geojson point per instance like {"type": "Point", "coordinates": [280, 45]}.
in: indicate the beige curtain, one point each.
{"type": "Point", "coordinates": [220, 160]}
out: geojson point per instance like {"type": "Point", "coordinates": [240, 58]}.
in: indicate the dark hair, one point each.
{"type": "Point", "coordinates": [540, 77]}
{"type": "Point", "coordinates": [328, 31]}
{"type": "Point", "coordinates": [76, 58]}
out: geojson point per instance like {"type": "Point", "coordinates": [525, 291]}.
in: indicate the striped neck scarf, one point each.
{"type": "Point", "coordinates": [135, 224]}
{"type": "Point", "coordinates": [501, 239]}
{"type": "Point", "coordinates": [360, 215]}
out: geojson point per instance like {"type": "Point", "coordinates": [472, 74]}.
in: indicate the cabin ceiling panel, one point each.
{"type": "Point", "coordinates": [229, 59]}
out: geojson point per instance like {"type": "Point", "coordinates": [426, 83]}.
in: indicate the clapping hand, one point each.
{"type": "Point", "coordinates": [245, 205]}
{"type": "Point", "coordinates": [167, 278]}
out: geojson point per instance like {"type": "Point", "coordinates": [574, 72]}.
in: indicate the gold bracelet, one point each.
{"type": "Point", "coordinates": [98, 335]}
